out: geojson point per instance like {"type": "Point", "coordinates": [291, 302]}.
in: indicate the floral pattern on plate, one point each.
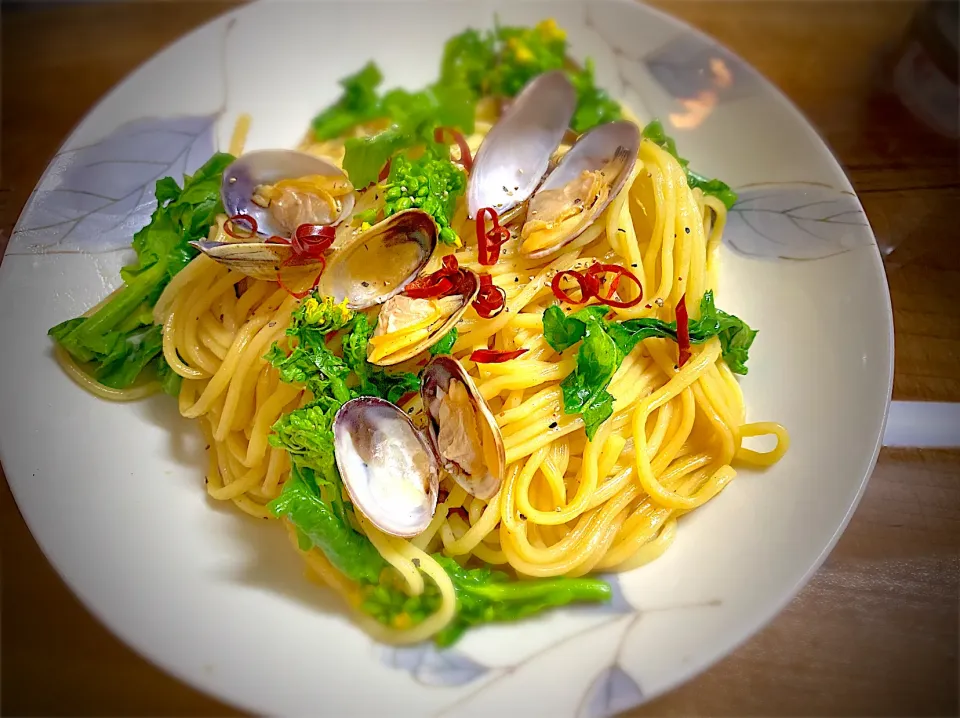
{"type": "Point", "coordinates": [95, 197]}
{"type": "Point", "coordinates": [795, 221]}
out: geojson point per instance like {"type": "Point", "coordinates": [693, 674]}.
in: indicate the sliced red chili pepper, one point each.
{"type": "Point", "coordinates": [465, 159]}
{"type": "Point", "coordinates": [491, 299]}
{"type": "Point", "coordinates": [586, 282]}
{"type": "Point", "coordinates": [450, 263]}
{"type": "Point", "coordinates": [443, 282]}
{"type": "Point", "coordinates": [230, 226]}
{"type": "Point", "coordinates": [489, 241]}
{"type": "Point", "coordinates": [312, 239]}
{"type": "Point", "coordinates": [619, 272]}
{"type": "Point", "coordinates": [683, 332]}
{"type": "Point", "coordinates": [491, 356]}
{"type": "Point", "coordinates": [385, 172]}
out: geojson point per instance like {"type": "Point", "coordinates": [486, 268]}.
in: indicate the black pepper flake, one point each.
{"type": "Point", "coordinates": [675, 367]}
{"type": "Point", "coordinates": [621, 229]}
{"type": "Point", "coordinates": [578, 201]}
{"type": "Point", "coordinates": [687, 230]}
{"type": "Point", "coordinates": [416, 562]}
{"type": "Point", "coordinates": [634, 266]}
{"type": "Point", "coordinates": [522, 517]}
{"type": "Point", "coordinates": [554, 425]}
{"type": "Point", "coordinates": [272, 324]}
{"type": "Point", "coordinates": [516, 279]}
{"type": "Point", "coordinates": [207, 447]}
{"type": "Point", "coordinates": [679, 279]}
{"type": "Point", "coordinates": [365, 284]}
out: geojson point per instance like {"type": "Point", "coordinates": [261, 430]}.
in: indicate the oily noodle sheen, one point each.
{"type": "Point", "coordinates": [567, 506]}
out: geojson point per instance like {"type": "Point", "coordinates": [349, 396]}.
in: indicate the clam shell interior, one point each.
{"type": "Point", "coordinates": [387, 467]}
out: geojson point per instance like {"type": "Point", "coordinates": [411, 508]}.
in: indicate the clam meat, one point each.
{"type": "Point", "coordinates": [408, 326]}
{"type": "Point", "coordinates": [463, 430]}
{"type": "Point", "coordinates": [577, 191]}
{"type": "Point", "coordinates": [283, 189]}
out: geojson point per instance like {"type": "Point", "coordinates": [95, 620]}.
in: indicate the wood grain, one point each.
{"type": "Point", "coordinates": [876, 631]}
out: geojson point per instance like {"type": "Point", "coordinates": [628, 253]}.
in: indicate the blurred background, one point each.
{"type": "Point", "coordinates": [879, 82]}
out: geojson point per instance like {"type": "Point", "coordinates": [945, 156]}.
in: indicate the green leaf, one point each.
{"type": "Point", "coordinates": [594, 105]}
{"type": "Point", "coordinates": [317, 521]}
{"type": "Point", "coordinates": [561, 331]}
{"type": "Point", "coordinates": [359, 103]}
{"type": "Point", "coordinates": [484, 595]}
{"type": "Point", "coordinates": [584, 391]}
{"type": "Point", "coordinates": [365, 157]}
{"type": "Point", "coordinates": [445, 345]}
{"type": "Point", "coordinates": [467, 60]}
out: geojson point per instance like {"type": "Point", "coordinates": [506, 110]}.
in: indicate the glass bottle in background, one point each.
{"type": "Point", "coordinates": [925, 69]}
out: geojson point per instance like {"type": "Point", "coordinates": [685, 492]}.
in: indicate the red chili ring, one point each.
{"type": "Point", "coordinates": [489, 241]}
{"type": "Point", "coordinates": [619, 272]}
{"type": "Point", "coordinates": [584, 281]}
{"type": "Point", "coordinates": [230, 221]}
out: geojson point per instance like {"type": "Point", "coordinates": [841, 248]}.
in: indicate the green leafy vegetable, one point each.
{"type": "Point", "coordinates": [119, 340]}
{"type": "Point", "coordinates": [467, 59]}
{"type": "Point", "coordinates": [430, 183]}
{"type": "Point", "coordinates": [483, 596]}
{"type": "Point", "coordinates": [320, 524]}
{"type": "Point", "coordinates": [606, 343]}
{"type": "Point", "coordinates": [594, 106]}
{"type": "Point", "coordinates": [504, 60]}
{"type": "Point", "coordinates": [445, 345]}
{"type": "Point", "coordinates": [359, 103]}
{"type": "Point", "coordinates": [721, 190]}
{"type": "Point", "coordinates": [524, 53]}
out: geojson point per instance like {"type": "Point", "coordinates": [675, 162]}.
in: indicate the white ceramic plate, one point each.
{"type": "Point", "coordinates": [114, 492]}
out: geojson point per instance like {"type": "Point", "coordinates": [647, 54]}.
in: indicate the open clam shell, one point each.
{"type": "Point", "coordinates": [378, 263]}
{"type": "Point", "coordinates": [387, 466]}
{"type": "Point", "coordinates": [516, 153]}
{"type": "Point", "coordinates": [577, 191]}
{"type": "Point", "coordinates": [266, 167]}
{"type": "Point", "coordinates": [259, 260]}
{"type": "Point", "coordinates": [463, 430]}
{"type": "Point", "coordinates": [388, 346]}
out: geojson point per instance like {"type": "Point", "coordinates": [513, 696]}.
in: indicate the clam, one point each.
{"type": "Point", "coordinates": [378, 263]}
{"type": "Point", "coordinates": [366, 270]}
{"type": "Point", "coordinates": [462, 428]}
{"type": "Point", "coordinates": [516, 152]}
{"type": "Point", "coordinates": [387, 466]}
{"type": "Point", "coordinates": [577, 191]}
{"type": "Point", "coordinates": [407, 326]}
{"type": "Point", "coordinates": [283, 189]}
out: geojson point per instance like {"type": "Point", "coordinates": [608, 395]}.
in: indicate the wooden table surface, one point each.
{"type": "Point", "coordinates": [876, 630]}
